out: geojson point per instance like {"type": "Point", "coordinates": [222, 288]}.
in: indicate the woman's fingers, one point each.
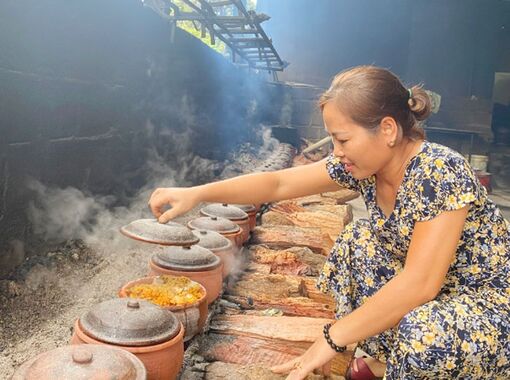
{"type": "Point", "coordinates": [293, 367]}
{"type": "Point", "coordinates": [159, 202]}
{"type": "Point", "coordinates": [156, 202]}
{"type": "Point", "coordinates": [285, 367]}
{"type": "Point", "coordinates": [168, 215]}
{"type": "Point", "coordinates": [180, 200]}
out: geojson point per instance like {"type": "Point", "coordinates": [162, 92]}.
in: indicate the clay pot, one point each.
{"type": "Point", "coordinates": [251, 210]}
{"type": "Point", "coordinates": [192, 315]}
{"type": "Point", "coordinates": [223, 226]}
{"type": "Point", "coordinates": [151, 231]}
{"type": "Point", "coordinates": [83, 363]}
{"type": "Point", "coordinates": [232, 213]}
{"type": "Point", "coordinates": [220, 246]}
{"type": "Point", "coordinates": [153, 334]}
{"type": "Point", "coordinates": [196, 263]}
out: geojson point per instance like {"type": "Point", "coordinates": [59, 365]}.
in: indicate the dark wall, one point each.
{"type": "Point", "coordinates": [453, 51]}
{"type": "Point", "coordinates": [503, 50]}
{"type": "Point", "coordinates": [88, 87]}
{"type": "Point", "coordinates": [320, 38]}
{"type": "Point", "coordinates": [451, 46]}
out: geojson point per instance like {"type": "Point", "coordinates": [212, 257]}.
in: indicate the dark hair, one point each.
{"type": "Point", "coordinates": [367, 94]}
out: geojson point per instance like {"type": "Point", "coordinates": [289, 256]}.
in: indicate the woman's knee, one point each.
{"type": "Point", "coordinates": [417, 339]}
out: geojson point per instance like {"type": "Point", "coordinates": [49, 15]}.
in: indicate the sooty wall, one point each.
{"type": "Point", "coordinates": [88, 87]}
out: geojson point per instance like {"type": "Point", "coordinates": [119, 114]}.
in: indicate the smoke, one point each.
{"type": "Point", "coordinates": [286, 111]}
{"type": "Point", "coordinates": [269, 143]}
{"type": "Point", "coordinates": [65, 214]}
{"type": "Point", "coordinates": [175, 164]}
{"type": "Point", "coordinates": [40, 275]}
{"type": "Point", "coordinates": [13, 254]}
{"type": "Point", "coordinates": [60, 214]}
{"type": "Point", "coordinates": [238, 264]}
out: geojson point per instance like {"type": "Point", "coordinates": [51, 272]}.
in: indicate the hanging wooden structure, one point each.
{"type": "Point", "coordinates": [229, 20]}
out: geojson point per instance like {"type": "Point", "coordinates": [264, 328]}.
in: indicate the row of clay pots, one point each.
{"type": "Point", "coordinates": [207, 262]}
{"type": "Point", "coordinates": [114, 324]}
{"type": "Point", "coordinates": [233, 222]}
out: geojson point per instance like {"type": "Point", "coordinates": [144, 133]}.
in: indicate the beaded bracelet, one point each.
{"type": "Point", "coordinates": [330, 341]}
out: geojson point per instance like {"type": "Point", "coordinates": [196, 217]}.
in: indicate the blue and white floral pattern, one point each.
{"type": "Point", "coordinates": [464, 332]}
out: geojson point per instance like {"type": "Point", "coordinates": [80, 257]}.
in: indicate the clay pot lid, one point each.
{"type": "Point", "coordinates": [83, 362]}
{"type": "Point", "coordinates": [212, 240]}
{"type": "Point", "coordinates": [130, 322]}
{"type": "Point", "coordinates": [151, 231]}
{"type": "Point", "coordinates": [224, 210]}
{"type": "Point", "coordinates": [214, 223]}
{"type": "Point", "coordinates": [249, 208]}
{"type": "Point", "coordinates": [191, 259]}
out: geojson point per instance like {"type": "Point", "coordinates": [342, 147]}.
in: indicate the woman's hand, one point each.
{"type": "Point", "coordinates": [180, 200]}
{"type": "Point", "coordinates": [300, 367]}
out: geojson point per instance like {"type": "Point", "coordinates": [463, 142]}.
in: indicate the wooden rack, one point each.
{"type": "Point", "coordinates": [232, 23]}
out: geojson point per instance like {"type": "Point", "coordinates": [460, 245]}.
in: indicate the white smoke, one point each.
{"type": "Point", "coordinates": [286, 111]}
{"type": "Point", "coordinates": [64, 214]}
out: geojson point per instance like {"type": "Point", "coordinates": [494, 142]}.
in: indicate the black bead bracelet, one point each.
{"type": "Point", "coordinates": [330, 341]}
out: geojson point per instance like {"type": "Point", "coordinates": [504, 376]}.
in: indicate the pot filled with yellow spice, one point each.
{"type": "Point", "coordinates": [185, 298]}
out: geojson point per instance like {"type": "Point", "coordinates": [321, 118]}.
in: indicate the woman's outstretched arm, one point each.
{"type": "Point", "coordinates": [254, 188]}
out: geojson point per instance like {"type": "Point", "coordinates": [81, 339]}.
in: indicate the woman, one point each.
{"type": "Point", "coordinates": [424, 285]}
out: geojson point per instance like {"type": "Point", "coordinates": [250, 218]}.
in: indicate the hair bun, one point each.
{"type": "Point", "coordinates": [419, 103]}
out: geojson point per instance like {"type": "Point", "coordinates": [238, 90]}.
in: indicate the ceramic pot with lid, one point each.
{"type": "Point", "coordinates": [220, 246]}
{"type": "Point", "coordinates": [220, 225]}
{"type": "Point", "coordinates": [232, 213]}
{"type": "Point", "coordinates": [83, 362]}
{"type": "Point", "coordinates": [196, 263]}
{"type": "Point", "coordinates": [153, 334]}
{"type": "Point", "coordinates": [251, 210]}
{"type": "Point", "coordinates": [151, 231]}
{"type": "Point", "coordinates": [192, 315]}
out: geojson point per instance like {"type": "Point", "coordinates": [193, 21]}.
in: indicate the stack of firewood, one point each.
{"type": "Point", "coordinates": [273, 311]}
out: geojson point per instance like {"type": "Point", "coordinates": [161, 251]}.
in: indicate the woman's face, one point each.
{"type": "Point", "coordinates": [363, 152]}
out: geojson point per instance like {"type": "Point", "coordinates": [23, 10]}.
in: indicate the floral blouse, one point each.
{"type": "Point", "coordinates": [439, 179]}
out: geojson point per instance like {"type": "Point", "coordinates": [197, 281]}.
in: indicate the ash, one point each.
{"type": "Point", "coordinates": [52, 288]}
